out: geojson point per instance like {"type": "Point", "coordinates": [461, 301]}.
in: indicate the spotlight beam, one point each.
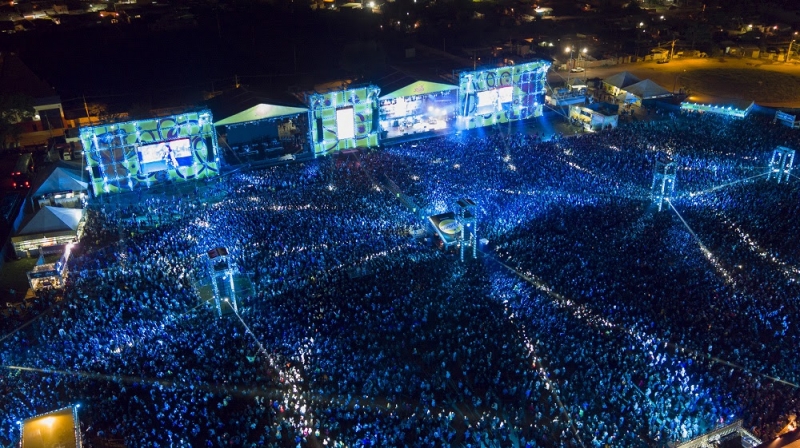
{"type": "Point", "coordinates": [706, 252]}
{"type": "Point", "coordinates": [719, 187]}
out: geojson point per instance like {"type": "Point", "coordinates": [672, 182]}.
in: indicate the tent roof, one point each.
{"type": "Point", "coordinates": [621, 80]}
{"type": "Point", "coordinates": [647, 89]}
{"type": "Point", "coordinates": [60, 179]}
{"type": "Point", "coordinates": [418, 88]}
{"type": "Point", "coordinates": [260, 112]}
{"type": "Point", "coordinates": [243, 105]}
{"type": "Point", "coordinates": [52, 219]}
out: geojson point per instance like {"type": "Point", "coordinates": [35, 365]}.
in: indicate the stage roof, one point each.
{"type": "Point", "coordinates": [418, 88]}
{"type": "Point", "coordinates": [261, 112]}
{"type": "Point", "coordinates": [52, 220]}
{"type": "Point", "coordinates": [647, 89]}
{"type": "Point", "coordinates": [622, 80]}
{"type": "Point", "coordinates": [244, 105]}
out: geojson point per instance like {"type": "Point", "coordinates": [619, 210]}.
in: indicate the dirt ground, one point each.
{"type": "Point", "coordinates": [768, 83]}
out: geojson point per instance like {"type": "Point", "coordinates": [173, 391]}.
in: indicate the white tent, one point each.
{"type": "Point", "coordinates": [61, 180]}
{"type": "Point", "coordinates": [50, 226]}
{"type": "Point", "coordinates": [621, 80]}
{"type": "Point", "coordinates": [648, 90]}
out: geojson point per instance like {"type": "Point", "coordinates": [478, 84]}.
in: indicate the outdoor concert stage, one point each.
{"type": "Point", "coordinates": [255, 128]}
{"type": "Point", "coordinates": [417, 108]}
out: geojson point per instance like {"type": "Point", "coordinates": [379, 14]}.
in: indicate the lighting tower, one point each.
{"type": "Point", "coordinates": [466, 216]}
{"type": "Point", "coordinates": [780, 166]}
{"type": "Point", "coordinates": [663, 179]}
{"type": "Point", "coordinates": [221, 272]}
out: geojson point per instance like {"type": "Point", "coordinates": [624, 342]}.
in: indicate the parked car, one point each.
{"type": "Point", "coordinates": [662, 61]}
{"type": "Point", "coordinates": [577, 70]}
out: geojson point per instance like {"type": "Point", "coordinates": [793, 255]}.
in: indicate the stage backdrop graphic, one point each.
{"type": "Point", "coordinates": [138, 154]}
{"type": "Point", "coordinates": [343, 119]}
{"type": "Point", "coordinates": [500, 95]}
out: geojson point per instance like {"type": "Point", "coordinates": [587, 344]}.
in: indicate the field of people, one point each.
{"type": "Point", "coordinates": [590, 318]}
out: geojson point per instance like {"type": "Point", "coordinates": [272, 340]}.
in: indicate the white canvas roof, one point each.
{"type": "Point", "coordinates": [647, 89]}
{"type": "Point", "coordinates": [621, 80]}
{"type": "Point", "coordinates": [61, 179]}
{"type": "Point", "coordinates": [53, 220]}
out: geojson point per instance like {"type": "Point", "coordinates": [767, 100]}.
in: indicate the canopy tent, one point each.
{"type": "Point", "coordinates": [52, 220]}
{"type": "Point", "coordinates": [621, 80]}
{"type": "Point", "coordinates": [419, 88]}
{"type": "Point", "coordinates": [648, 90]}
{"type": "Point", "coordinates": [59, 180]}
{"type": "Point", "coordinates": [50, 226]}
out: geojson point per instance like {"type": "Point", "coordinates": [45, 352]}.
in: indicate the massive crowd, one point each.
{"type": "Point", "coordinates": [590, 318]}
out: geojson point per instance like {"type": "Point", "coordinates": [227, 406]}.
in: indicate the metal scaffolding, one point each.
{"type": "Point", "coordinates": [467, 218]}
{"type": "Point", "coordinates": [780, 166]}
{"type": "Point", "coordinates": [221, 274]}
{"type": "Point", "coordinates": [663, 179]}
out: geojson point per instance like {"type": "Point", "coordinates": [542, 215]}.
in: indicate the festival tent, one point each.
{"type": "Point", "coordinates": [648, 90]}
{"type": "Point", "coordinates": [59, 180]}
{"type": "Point", "coordinates": [50, 226]}
{"type": "Point", "coordinates": [621, 80]}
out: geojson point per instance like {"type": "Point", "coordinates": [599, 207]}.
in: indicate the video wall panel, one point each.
{"type": "Point", "coordinates": [139, 154]}
{"type": "Point", "coordinates": [343, 119]}
{"type": "Point", "coordinates": [500, 95]}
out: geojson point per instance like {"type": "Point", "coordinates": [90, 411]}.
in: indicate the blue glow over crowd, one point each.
{"type": "Point", "coordinates": [589, 319]}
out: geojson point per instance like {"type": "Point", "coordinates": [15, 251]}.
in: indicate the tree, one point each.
{"type": "Point", "coordinates": [13, 109]}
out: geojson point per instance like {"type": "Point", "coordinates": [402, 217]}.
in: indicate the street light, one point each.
{"type": "Point", "coordinates": [570, 51]}
{"type": "Point", "coordinates": [789, 53]}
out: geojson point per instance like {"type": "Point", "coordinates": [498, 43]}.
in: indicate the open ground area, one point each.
{"type": "Point", "coordinates": [771, 84]}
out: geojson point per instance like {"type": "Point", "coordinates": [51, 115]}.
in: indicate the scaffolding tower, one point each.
{"type": "Point", "coordinates": [780, 166]}
{"type": "Point", "coordinates": [663, 179]}
{"type": "Point", "coordinates": [466, 216]}
{"type": "Point", "coordinates": [221, 273]}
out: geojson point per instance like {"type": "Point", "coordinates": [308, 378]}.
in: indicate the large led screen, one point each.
{"type": "Point", "coordinates": [140, 154]}
{"type": "Point", "coordinates": [519, 89]}
{"type": "Point", "coordinates": [343, 119]}
{"type": "Point", "coordinates": [165, 155]}
{"type": "Point", "coordinates": [345, 126]}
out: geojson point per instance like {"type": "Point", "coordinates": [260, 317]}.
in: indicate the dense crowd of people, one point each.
{"type": "Point", "coordinates": [589, 319]}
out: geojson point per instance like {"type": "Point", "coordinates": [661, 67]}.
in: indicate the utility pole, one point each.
{"type": "Point", "coordinates": [672, 52]}
{"type": "Point", "coordinates": [789, 53]}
